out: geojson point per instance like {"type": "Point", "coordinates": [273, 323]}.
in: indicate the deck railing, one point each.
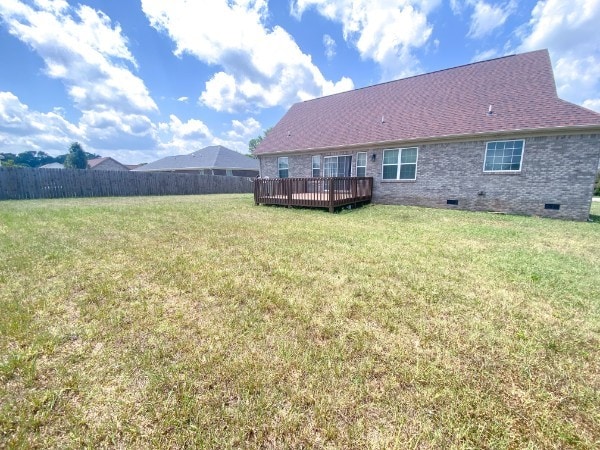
{"type": "Point", "coordinates": [328, 193]}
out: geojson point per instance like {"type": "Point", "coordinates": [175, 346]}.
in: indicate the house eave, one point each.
{"type": "Point", "coordinates": [525, 132]}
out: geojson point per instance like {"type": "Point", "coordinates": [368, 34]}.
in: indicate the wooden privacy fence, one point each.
{"type": "Point", "coordinates": [24, 183]}
{"type": "Point", "coordinates": [328, 193]}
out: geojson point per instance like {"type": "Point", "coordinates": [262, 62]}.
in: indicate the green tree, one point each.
{"type": "Point", "coordinates": [8, 163]}
{"type": "Point", "coordinates": [76, 158]}
{"type": "Point", "coordinates": [7, 159]}
{"type": "Point", "coordinates": [61, 158]}
{"type": "Point", "coordinates": [257, 140]}
{"type": "Point", "coordinates": [33, 159]}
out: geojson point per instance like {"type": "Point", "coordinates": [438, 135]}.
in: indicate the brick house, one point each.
{"type": "Point", "coordinates": [106, 163]}
{"type": "Point", "coordinates": [489, 136]}
{"type": "Point", "coordinates": [213, 160]}
{"type": "Point", "coordinates": [102, 163]}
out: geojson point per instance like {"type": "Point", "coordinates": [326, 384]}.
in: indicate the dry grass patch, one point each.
{"type": "Point", "coordinates": [208, 322]}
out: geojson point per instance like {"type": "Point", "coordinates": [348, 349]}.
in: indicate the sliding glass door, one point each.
{"type": "Point", "coordinates": [337, 166]}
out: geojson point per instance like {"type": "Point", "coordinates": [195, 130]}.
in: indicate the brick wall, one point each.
{"type": "Point", "coordinates": [235, 172]}
{"type": "Point", "coordinates": [555, 169]}
{"type": "Point", "coordinates": [245, 173]}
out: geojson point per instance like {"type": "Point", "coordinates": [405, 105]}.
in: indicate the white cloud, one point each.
{"type": "Point", "coordinates": [113, 130]}
{"type": "Point", "coordinates": [456, 6]}
{"type": "Point", "coordinates": [577, 75]}
{"type": "Point", "coordinates": [571, 33]}
{"type": "Point", "coordinates": [178, 138]}
{"type": "Point", "coordinates": [193, 129]}
{"type": "Point", "coordinates": [386, 32]}
{"type": "Point", "coordinates": [330, 45]}
{"type": "Point", "coordinates": [487, 17]}
{"type": "Point", "coordinates": [23, 130]}
{"type": "Point", "coordinates": [485, 55]}
{"type": "Point", "coordinates": [221, 93]}
{"type": "Point", "coordinates": [129, 138]}
{"type": "Point", "coordinates": [55, 6]}
{"type": "Point", "coordinates": [562, 25]}
{"type": "Point", "coordinates": [87, 52]}
{"type": "Point", "coordinates": [593, 104]}
{"type": "Point", "coordinates": [237, 145]}
{"type": "Point", "coordinates": [183, 99]}
{"type": "Point", "coordinates": [240, 134]}
{"type": "Point", "coordinates": [246, 130]}
{"type": "Point", "coordinates": [82, 48]}
{"type": "Point", "coordinates": [262, 67]}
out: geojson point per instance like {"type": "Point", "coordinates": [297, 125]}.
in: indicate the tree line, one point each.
{"type": "Point", "coordinates": [254, 143]}
{"type": "Point", "coordinates": [76, 158]}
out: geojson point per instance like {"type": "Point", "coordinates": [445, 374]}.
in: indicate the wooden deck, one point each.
{"type": "Point", "coordinates": [330, 193]}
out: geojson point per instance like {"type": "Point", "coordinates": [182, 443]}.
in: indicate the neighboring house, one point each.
{"type": "Point", "coordinates": [54, 165]}
{"type": "Point", "coordinates": [106, 163]}
{"type": "Point", "coordinates": [491, 135]}
{"type": "Point", "coordinates": [132, 166]}
{"type": "Point", "coordinates": [214, 160]}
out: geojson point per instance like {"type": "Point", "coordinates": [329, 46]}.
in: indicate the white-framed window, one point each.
{"type": "Point", "coordinates": [229, 172]}
{"type": "Point", "coordinates": [316, 166]}
{"type": "Point", "coordinates": [283, 166]}
{"type": "Point", "coordinates": [400, 163]}
{"type": "Point", "coordinates": [504, 156]}
{"type": "Point", "coordinates": [337, 166]}
{"type": "Point", "coordinates": [361, 164]}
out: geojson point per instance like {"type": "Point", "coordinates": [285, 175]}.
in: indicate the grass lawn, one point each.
{"type": "Point", "coordinates": [208, 322]}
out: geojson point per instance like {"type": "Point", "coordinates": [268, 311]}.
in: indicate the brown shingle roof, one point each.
{"type": "Point", "coordinates": [95, 162]}
{"type": "Point", "coordinates": [451, 102]}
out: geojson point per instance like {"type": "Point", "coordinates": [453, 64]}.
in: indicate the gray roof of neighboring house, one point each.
{"type": "Point", "coordinates": [54, 165]}
{"type": "Point", "coordinates": [454, 102]}
{"type": "Point", "coordinates": [213, 157]}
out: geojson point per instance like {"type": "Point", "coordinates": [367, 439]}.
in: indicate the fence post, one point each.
{"type": "Point", "coordinates": [331, 196]}
{"type": "Point", "coordinates": [256, 189]}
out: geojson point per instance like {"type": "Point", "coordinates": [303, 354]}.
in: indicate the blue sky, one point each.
{"type": "Point", "coordinates": [142, 79]}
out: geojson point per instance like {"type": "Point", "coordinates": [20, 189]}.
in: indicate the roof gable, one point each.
{"type": "Point", "coordinates": [96, 162]}
{"type": "Point", "coordinates": [451, 102]}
